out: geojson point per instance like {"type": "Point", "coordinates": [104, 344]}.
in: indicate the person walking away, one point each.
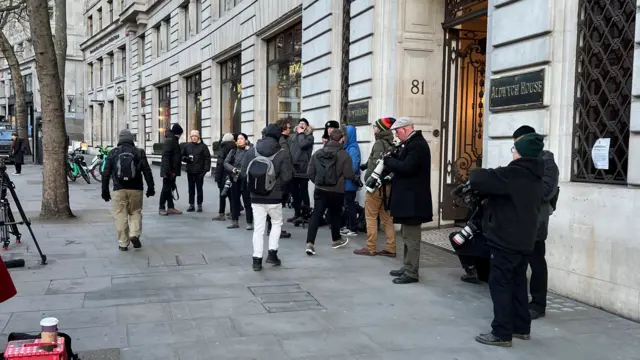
{"type": "Point", "coordinates": [377, 203]}
{"type": "Point", "coordinates": [268, 168]}
{"type": "Point", "coordinates": [17, 152]}
{"type": "Point", "coordinates": [239, 190]}
{"type": "Point", "coordinates": [301, 149]}
{"type": "Point", "coordinates": [228, 143]}
{"type": "Point", "coordinates": [328, 169]}
{"type": "Point", "coordinates": [198, 159]}
{"type": "Point", "coordinates": [170, 168]}
{"type": "Point", "coordinates": [351, 187]}
{"type": "Point", "coordinates": [410, 198]}
{"type": "Point", "coordinates": [126, 165]}
{"type": "Point", "coordinates": [514, 196]}
{"type": "Point", "coordinates": [537, 261]}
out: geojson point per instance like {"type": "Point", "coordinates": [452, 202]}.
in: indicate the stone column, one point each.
{"type": "Point", "coordinates": [117, 66]}
{"type": "Point", "coordinates": [106, 63]}
{"type": "Point", "coordinates": [193, 8]}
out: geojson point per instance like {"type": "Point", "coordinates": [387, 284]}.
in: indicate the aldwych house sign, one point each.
{"type": "Point", "coordinates": [358, 113]}
{"type": "Point", "coordinates": [104, 43]}
{"type": "Point", "coordinates": [517, 91]}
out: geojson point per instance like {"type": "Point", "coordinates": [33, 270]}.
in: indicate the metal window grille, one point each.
{"type": "Point", "coordinates": [346, 40]}
{"type": "Point", "coordinates": [602, 104]}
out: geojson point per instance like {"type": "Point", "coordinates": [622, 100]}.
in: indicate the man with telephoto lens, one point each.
{"type": "Point", "coordinates": [410, 198]}
{"type": "Point", "coordinates": [510, 220]}
{"type": "Point", "coordinates": [537, 261]}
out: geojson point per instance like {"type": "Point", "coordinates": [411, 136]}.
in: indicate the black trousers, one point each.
{"type": "Point", "coordinates": [239, 190]}
{"type": "Point", "coordinates": [18, 168]}
{"type": "Point", "coordinates": [222, 200]}
{"type": "Point", "coordinates": [350, 205]}
{"type": "Point", "coordinates": [195, 185]}
{"type": "Point", "coordinates": [166, 197]}
{"type": "Point", "coordinates": [508, 287]}
{"type": "Point", "coordinates": [539, 277]}
{"type": "Point", "coordinates": [325, 200]}
{"type": "Point", "coordinates": [300, 193]}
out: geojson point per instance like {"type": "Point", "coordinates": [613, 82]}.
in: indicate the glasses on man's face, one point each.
{"type": "Point", "coordinates": [513, 149]}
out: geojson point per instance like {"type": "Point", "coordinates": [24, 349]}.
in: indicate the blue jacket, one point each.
{"type": "Point", "coordinates": [352, 148]}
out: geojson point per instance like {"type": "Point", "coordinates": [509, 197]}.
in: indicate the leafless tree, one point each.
{"type": "Point", "coordinates": [11, 12]}
{"type": "Point", "coordinates": [55, 188]}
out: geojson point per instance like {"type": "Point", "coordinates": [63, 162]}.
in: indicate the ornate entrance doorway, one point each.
{"type": "Point", "coordinates": [463, 81]}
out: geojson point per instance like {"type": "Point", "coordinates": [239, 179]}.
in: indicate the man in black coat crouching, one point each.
{"type": "Point", "coordinates": [410, 198]}
{"type": "Point", "coordinates": [510, 221]}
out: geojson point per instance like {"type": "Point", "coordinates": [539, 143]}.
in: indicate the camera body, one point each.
{"type": "Point", "coordinates": [471, 198]}
{"type": "Point", "coordinates": [226, 188]}
{"type": "Point", "coordinates": [379, 176]}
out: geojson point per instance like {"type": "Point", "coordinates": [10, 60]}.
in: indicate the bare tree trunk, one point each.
{"type": "Point", "coordinates": [55, 189]}
{"type": "Point", "coordinates": [16, 77]}
{"type": "Point", "coordinates": [61, 43]}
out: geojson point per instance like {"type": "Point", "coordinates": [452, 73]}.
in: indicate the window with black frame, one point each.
{"type": "Point", "coordinates": [284, 75]}
{"type": "Point", "coordinates": [194, 106]}
{"type": "Point", "coordinates": [231, 96]}
{"type": "Point", "coordinates": [164, 111]}
{"type": "Point", "coordinates": [603, 84]}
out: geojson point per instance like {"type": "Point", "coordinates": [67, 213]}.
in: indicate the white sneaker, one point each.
{"type": "Point", "coordinates": [16, 174]}
{"type": "Point", "coordinates": [348, 232]}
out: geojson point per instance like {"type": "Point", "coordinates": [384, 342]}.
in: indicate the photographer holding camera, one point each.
{"type": "Point", "coordinates": [510, 219]}
{"type": "Point", "coordinates": [410, 198]}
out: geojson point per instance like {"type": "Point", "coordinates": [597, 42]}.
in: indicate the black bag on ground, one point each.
{"type": "Point", "coordinates": [67, 342]}
{"type": "Point", "coordinates": [326, 169]}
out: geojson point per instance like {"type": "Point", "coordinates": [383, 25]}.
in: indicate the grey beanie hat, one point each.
{"type": "Point", "coordinates": [125, 136]}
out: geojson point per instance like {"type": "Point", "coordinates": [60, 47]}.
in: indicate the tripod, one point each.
{"type": "Point", "coordinates": [8, 223]}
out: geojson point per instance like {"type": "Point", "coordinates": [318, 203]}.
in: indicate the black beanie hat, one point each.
{"type": "Point", "coordinates": [273, 131]}
{"type": "Point", "coordinates": [176, 129]}
{"type": "Point", "coordinates": [304, 121]}
{"type": "Point", "coordinates": [523, 130]}
{"type": "Point", "coordinates": [530, 145]}
{"type": "Point", "coordinates": [330, 124]}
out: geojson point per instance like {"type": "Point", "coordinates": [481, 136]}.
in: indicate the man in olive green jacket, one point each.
{"type": "Point", "coordinates": [376, 203]}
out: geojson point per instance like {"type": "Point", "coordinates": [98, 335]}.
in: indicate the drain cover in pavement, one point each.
{"type": "Point", "coordinates": [433, 257]}
{"type": "Point", "coordinates": [106, 354]}
{"type": "Point", "coordinates": [285, 298]}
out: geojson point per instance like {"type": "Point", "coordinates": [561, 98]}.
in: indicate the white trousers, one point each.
{"type": "Point", "coordinates": [260, 212]}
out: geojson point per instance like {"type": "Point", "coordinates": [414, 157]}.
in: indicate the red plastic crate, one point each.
{"type": "Point", "coordinates": [28, 350]}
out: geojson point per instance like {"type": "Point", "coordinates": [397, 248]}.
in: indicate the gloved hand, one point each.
{"type": "Point", "coordinates": [364, 167]}
{"type": "Point", "coordinates": [151, 192]}
{"type": "Point", "coordinates": [106, 196]}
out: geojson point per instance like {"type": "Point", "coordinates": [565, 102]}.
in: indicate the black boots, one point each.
{"type": "Point", "coordinates": [191, 208]}
{"type": "Point", "coordinates": [257, 264]}
{"type": "Point", "coordinates": [272, 258]}
{"type": "Point", "coordinates": [199, 208]}
{"type": "Point", "coordinates": [471, 275]}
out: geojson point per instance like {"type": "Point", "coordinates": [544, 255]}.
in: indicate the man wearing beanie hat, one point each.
{"type": "Point", "coordinates": [328, 127]}
{"type": "Point", "coordinates": [537, 261]}
{"type": "Point", "coordinates": [170, 169]}
{"type": "Point", "coordinates": [127, 193]}
{"type": "Point", "coordinates": [198, 159]}
{"type": "Point", "coordinates": [376, 203]}
{"type": "Point", "coordinates": [301, 149]}
{"type": "Point", "coordinates": [514, 196]}
{"type": "Point", "coordinates": [270, 204]}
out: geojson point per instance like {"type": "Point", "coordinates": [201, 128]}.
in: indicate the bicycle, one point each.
{"type": "Point", "coordinates": [98, 164]}
{"type": "Point", "coordinates": [77, 167]}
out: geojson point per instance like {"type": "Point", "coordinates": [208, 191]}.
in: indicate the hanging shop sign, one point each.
{"type": "Point", "coordinates": [517, 91]}
{"type": "Point", "coordinates": [358, 113]}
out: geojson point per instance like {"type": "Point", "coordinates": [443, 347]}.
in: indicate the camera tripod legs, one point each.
{"type": "Point", "coordinates": [9, 225]}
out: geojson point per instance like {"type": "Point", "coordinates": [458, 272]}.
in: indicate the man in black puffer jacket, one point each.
{"type": "Point", "coordinates": [509, 223]}
{"type": "Point", "coordinates": [127, 195]}
{"type": "Point", "coordinates": [537, 261]}
{"type": "Point", "coordinates": [170, 169]}
{"type": "Point", "coordinates": [227, 143]}
{"type": "Point", "coordinates": [198, 158]}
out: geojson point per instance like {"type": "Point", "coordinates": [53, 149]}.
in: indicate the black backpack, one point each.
{"type": "Point", "coordinates": [326, 169]}
{"type": "Point", "coordinates": [127, 165]}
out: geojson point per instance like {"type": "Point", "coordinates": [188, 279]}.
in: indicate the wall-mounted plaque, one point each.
{"type": "Point", "coordinates": [358, 113]}
{"type": "Point", "coordinates": [517, 91]}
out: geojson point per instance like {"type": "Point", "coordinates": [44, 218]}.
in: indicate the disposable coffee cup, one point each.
{"type": "Point", "coordinates": [49, 332]}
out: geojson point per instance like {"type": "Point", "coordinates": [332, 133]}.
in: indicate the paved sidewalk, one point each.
{"type": "Point", "coordinates": [190, 294]}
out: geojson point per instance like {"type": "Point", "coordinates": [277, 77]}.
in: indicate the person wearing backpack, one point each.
{"type": "Point", "coordinates": [351, 187]}
{"type": "Point", "coordinates": [239, 191]}
{"type": "Point", "coordinates": [227, 144]}
{"type": "Point", "coordinates": [267, 168]}
{"type": "Point", "coordinates": [126, 165]}
{"type": "Point", "coordinates": [329, 168]}
{"type": "Point", "coordinates": [537, 261]}
{"type": "Point", "coordinates": [377, 203]}
{"type": "Point", "coordinates": [170, 167]}
{"type": "Point", "coordinates": [198, 158]}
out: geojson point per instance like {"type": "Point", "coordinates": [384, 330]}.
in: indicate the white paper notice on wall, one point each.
{"type": "Point", "coordinates": [600, 153]}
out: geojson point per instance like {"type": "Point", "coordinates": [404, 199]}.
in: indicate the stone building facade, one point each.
{"type": "Point", "coordinates": [18, 36]}
{"type": "Point", "coordinates": [452, 66]}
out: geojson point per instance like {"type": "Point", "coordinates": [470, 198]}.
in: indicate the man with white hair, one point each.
{"type": "Point", "coordinates": [410, 199]}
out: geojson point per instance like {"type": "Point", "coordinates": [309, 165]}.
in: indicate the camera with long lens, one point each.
{"type": "Point", "coordinates": [469, 197]}
{"type": "Point", "coordinates": [226, 188]}
{"type": "Point", "coordinates": [378, 177]}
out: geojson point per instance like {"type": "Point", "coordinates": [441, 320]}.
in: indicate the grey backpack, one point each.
{"type": "Point", "coordinates": [261, 174]}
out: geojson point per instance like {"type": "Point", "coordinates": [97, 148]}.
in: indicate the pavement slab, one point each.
{"type": "Point", "coordinates": [190, 293]}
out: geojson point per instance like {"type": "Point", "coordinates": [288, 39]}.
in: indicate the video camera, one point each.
{"type": "Point", "coordinates": [471, 198]}
{"type": "Point", "coordinates": [379, 176]}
